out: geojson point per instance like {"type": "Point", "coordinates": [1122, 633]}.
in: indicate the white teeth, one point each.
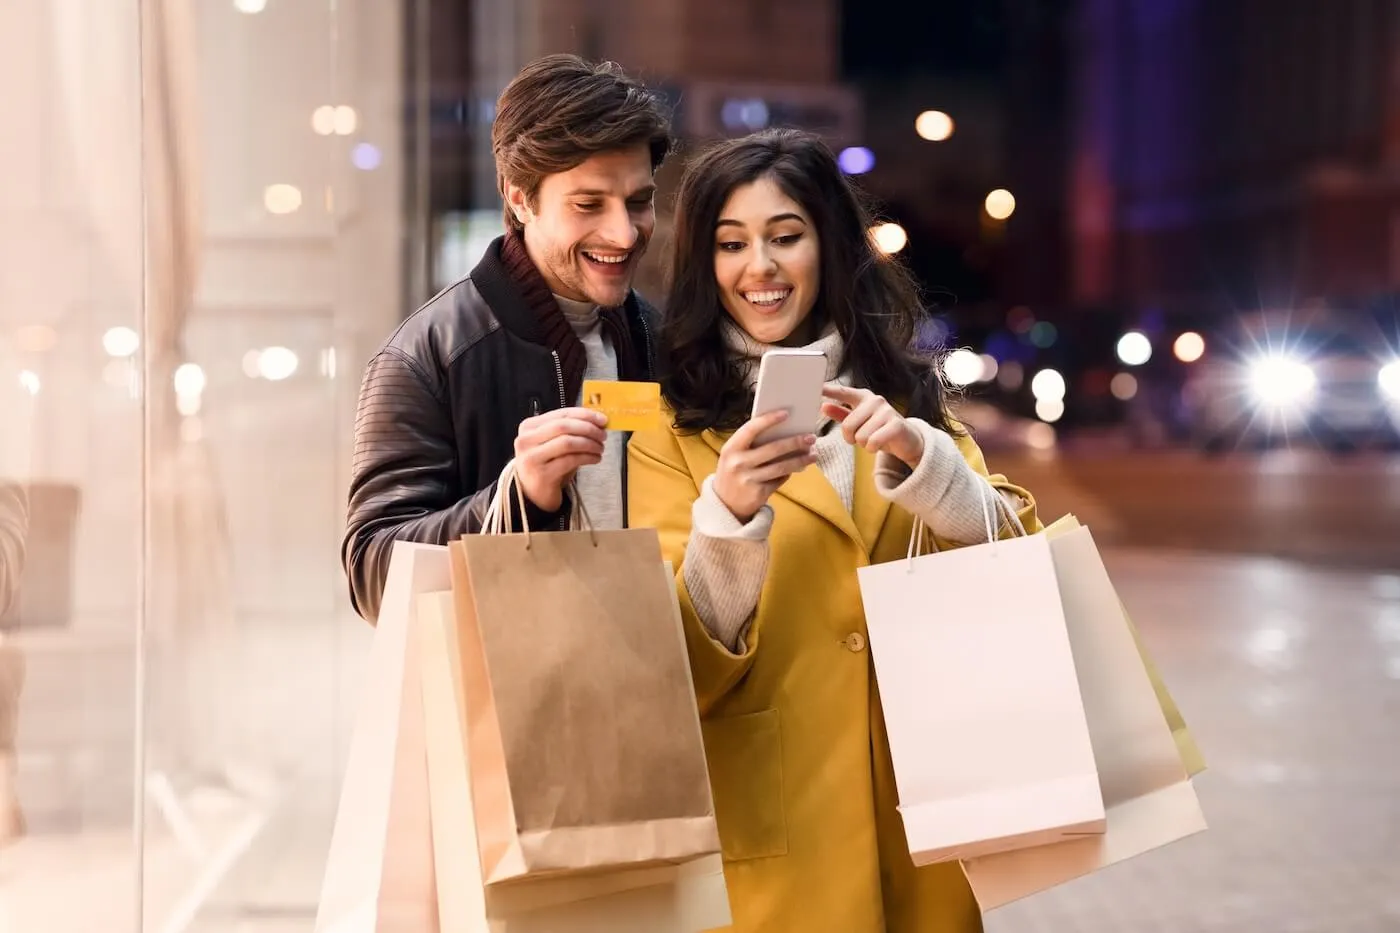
{"type": "Point", "coordinates": [609, 260]}
{"type": "Point", "coordinates": [764, 298]}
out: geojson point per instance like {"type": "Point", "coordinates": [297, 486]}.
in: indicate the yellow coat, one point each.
{"type": "Point", "coordinates": [799, 763]}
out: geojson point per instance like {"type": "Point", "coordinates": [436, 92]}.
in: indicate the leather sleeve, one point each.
{"type": "Point", "coordinates": [404, 483]}
{"type": "Point", "coordinates": [14, 523]}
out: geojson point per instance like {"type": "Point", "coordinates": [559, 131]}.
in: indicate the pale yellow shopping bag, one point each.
{"type": "Point", "coordinates": [1148, 796]}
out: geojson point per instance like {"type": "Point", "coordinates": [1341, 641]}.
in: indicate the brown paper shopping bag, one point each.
{"type": "Point", "coordinates": [986, 727]}
{"type": "Point", "coordinates": [1147, 794]}
{"type": "Point", "coordinates": [583, 734]}
{"type": "Point", "coordinates": [379, 873]}
{"type": "Point", "coordinates": [686, 898]}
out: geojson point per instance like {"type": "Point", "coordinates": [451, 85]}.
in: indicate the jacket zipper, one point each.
{"type": "Point", "coordinates": [646, 336]}
{"type": "Point", "coordinates": [559, 377]}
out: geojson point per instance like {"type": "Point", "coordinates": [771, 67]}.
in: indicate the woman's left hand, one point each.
{"type": "Point", "coordinates": [873, 423]}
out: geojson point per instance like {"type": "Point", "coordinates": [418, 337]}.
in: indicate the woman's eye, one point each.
{"type": "Point", "coordinates": [732, 246]}
{"type": "Point", "coordinates": [788, 239]}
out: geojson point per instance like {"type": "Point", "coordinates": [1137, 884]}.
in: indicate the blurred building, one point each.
{"type": "Point", "coordinates": [727, 67]}
{"type": "Point", "coordinates": [1229, 152]}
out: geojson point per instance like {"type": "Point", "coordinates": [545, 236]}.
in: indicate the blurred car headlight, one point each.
{"type": "Point", "coordinates": [1281, 381]}
{"type": "Point", "coordinates": [1389, 380]}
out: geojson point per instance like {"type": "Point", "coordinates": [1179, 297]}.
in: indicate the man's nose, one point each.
{"type": "Point", "coordinates": [618, 228]}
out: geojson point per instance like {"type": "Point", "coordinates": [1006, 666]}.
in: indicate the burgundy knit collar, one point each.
{"type": "Point", "coordinates": [520, 296]}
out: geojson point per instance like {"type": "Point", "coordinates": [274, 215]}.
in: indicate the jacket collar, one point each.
{"type": "Point", "coordinates": [522, 309]}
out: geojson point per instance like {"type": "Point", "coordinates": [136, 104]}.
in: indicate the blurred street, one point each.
{"type": "Point", "coordinates": [1304, 505]}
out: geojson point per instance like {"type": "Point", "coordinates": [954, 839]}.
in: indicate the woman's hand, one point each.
{"type": "Point", "coordinates": [748, 475]}
{"type": "Point", "coordinates": [870, 421]}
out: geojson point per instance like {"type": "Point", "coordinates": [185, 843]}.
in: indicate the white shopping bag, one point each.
{"type": "Point", "coordinates": [1149, 799]}
{"type": "Point", "coordinates": [379, 874]}
{"type": "Point", "coordinates": [986, 726]}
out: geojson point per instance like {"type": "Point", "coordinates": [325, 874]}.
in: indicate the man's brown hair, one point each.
{"type": "Point", "coordinates": [560, 110]}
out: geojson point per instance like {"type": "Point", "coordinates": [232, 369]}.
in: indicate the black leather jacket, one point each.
{"type": "Point", "coordinates": [440, 405]}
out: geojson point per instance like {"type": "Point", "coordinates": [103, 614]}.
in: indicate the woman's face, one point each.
{"type": "Point", "coordinates": [767, 263]}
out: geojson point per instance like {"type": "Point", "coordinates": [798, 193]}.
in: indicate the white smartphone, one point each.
{"type": "Point", "coordinates": [791, 381]}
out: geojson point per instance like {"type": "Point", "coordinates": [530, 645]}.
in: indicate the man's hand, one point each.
{"type": "Point", "coordinates": [550, 448]}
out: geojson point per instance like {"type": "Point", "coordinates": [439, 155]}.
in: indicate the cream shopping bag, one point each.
{"type": "Point", "coordinates": [1191, 757]}
{"type": "Point", "coordinates": [379, 873]}
{"type": "Point", "coordinates": [986, 726]}
{"type": "Point", "coordinates": [1147, 794]}
{"type": "Point", "coordinates": [685, 898]}
{"type": "Point", "coordinates": [584, 741]}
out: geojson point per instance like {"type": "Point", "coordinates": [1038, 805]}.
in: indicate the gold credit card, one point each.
{"type": "Point", "coordinates": [630, 406]}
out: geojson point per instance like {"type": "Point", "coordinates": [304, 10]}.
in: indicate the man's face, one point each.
{"type": "Point", "coordinates": [589, 227]}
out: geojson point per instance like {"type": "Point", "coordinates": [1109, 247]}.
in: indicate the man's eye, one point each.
{"type": "Point", "coordinates": [588, 206]}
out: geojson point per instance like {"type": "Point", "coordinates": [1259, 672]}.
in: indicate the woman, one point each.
{"type": "Point", "coordinates": [772, 250]}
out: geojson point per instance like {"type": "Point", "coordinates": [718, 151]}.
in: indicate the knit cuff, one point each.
{"type": "Point", "coordinates": [942, 488]}
{"type": "Point", "coordinates": [726, 562]}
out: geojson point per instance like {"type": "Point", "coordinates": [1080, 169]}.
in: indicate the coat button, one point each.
{"type": "Point", "coordinates": [855, 641]}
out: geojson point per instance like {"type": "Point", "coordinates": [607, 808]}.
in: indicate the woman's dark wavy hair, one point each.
{"type": "Point", "coordinates": [871, 298]}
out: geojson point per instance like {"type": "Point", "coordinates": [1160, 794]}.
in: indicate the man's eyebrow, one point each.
{"type": "Point", "coordinates": [647, 191]}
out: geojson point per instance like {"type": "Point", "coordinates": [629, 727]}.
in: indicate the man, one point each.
{"type": "Point", "coordinates": [492, 368]}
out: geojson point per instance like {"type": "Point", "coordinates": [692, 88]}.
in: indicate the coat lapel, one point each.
{"type": "Point", "coordinates": [811, 490]}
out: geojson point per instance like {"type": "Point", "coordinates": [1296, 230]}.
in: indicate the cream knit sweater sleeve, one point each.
{"type": "Point", "coordinates": [726, 561]}
{"type": "Point", "coordinates": [943, 489]}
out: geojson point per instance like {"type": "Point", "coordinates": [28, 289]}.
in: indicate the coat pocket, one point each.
{"type": "Point", "coordinates": [745, 757]}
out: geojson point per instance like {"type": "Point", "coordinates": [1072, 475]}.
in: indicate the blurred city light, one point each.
{"type": "Point", "coordinates": [277, 363]}
{"type": "Point", "coordinates": [1389, 380]}
{"type": "Point", "coordinates": [282, 199]}
{"type": "Point", "coordinates": [856, 160]}
{"type": "Point", "coordinates": [366, 157]}
{"type": "Point", "coordinates": [1048, 385]}
{"type": "Point", "coordinates": [889, 238]}
{"type": "Point", "coordinates": [962, 367]}
{"type": "Point", "coordinates": [1189, 347]}
{"type": "Point", "coordinates": [1049, 409]}
{"type": "Point", "coordinates": [1043, 334]}
{"type": "Point", "coordinates": [1000, 204]}
{"type": "Point", "coordinates": [1011, 375]}
{"type": "Point", "coordinates": [250, 6]}
{"type": "Point", "coordinates": [934, 125]}
{"type": "Point", "coordinates": [323, 120]}
{"type": "Point", "coordinates": [989, 367]}
{"type": "Point", "coordinates": [1281, 381]}
{"type": "Point", "coordinates": [1124, 386]}
{"type": "Point", "coordinates": [1040, 436]}
{"type": "Point", "coordinates": [29, 381]}
{"type": "Point", "coordinates": [120, 342]}
{"type": "Point", "coordinates": [346, 120]}
{"type": "Point", "coordinates": [1134, 348]}
{"type": "Point", "coordinates": [189, 379]}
